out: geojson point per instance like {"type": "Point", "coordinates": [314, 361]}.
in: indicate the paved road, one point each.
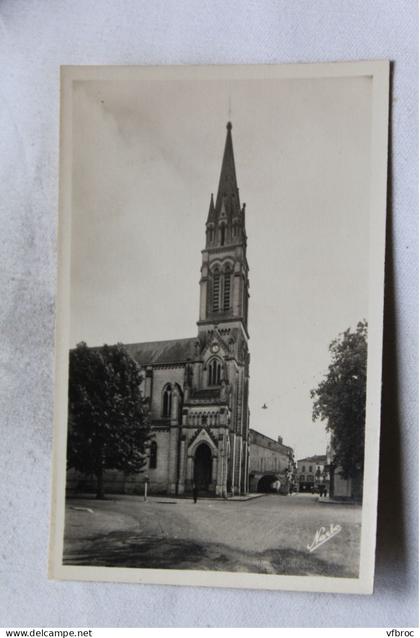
{"type": "Point", "coordinates": [270, 534]}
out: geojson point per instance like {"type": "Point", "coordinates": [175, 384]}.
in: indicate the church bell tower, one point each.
{"type": "Point", "coordinates": [215, 409]}
{"type": "Point", "coordinates": [224, 272]}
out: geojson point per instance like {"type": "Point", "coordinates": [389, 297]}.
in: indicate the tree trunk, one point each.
{"type": "Point", "coordinates": [332, 473]}
{"type": "Point", "coordinates": [357, 486]}
{"type": "Point", "coordinates": [100, 494]}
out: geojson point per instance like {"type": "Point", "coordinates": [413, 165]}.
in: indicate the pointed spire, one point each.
{"type": "Point", "coordinates": [243, 221]}
{"type": "Point", "coordinates": [223, 207]}
{"type": "Point", "coordinates": [228, 187]}
{"type": "Point", "coordinates": [210, 216]}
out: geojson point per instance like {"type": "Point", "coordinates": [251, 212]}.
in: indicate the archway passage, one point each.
{"type": "Point", "coordinates": [203, 467]}
{"type": "Point", "coordinates": [265, 484]}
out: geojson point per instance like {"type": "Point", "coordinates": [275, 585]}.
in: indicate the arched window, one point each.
{"type": "Point", "coordinates": [167, 401]}
{"type": "Point", "coordinates": [222, 235]}
{"type": "Point", "coordinates": [215, 372]}
{"type": "Point", "coordinates": [226, 288]}
{"type": "Point", "coordinates": [216, 290]}
{"type": "Point", "coordinates": [153, 455]}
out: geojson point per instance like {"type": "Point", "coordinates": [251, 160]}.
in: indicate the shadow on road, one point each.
{"type": "Point", "coordinates": [128, 549]}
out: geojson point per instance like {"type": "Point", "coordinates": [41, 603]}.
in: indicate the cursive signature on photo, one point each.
{"type": "Point", "coordinates": [322, 535]}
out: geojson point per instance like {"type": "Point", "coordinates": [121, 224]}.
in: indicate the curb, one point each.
{"type": "Point", "coordinates": [335, 502]}
{"type": "Point", "coordinates": [243, 498]}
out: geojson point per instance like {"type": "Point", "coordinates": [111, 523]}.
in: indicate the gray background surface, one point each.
{"type": "Point", "coordinates": [35, 38]}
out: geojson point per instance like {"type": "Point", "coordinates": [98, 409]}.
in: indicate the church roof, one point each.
{"type": "Point", "coordinates": [159, 352]}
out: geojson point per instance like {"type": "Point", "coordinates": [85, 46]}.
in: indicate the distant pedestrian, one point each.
{"type": "Point", "coordinates": [277, 486]}
{"type": "Point", "coordinates": [195, 492]}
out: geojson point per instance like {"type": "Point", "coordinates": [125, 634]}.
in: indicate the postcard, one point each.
{"type": "Point", "coordinates": [219, 325]}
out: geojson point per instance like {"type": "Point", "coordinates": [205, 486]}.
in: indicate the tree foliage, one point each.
{"type": "Point", "coordinates": [108, 421]}
{"type": "Point", "coordinates": [340, 399]}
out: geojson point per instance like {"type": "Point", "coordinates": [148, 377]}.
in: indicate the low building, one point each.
{"type": "Point", "coordinates": [270, 463]}
{"type": "Point", "coordinates": [342, 488]}
{"type": "Point", "coordinates": [312, 473]}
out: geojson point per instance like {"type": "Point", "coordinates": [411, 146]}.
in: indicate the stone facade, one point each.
{"type": "Point", "coordinates": [269, 461]}
{"type": "Point", "coordinates": [312, 472]}
{"type": "Point", "coordinates": [198, 387]}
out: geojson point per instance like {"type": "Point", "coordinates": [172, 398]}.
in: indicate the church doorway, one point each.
{"type": "Point", "coordinates": [202, 467]}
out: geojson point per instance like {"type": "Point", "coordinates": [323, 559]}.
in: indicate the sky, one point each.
{"type": "Point", "coordinates": [146, 157]}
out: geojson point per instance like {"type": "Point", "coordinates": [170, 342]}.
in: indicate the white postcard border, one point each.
{"type": "Point", "coordinates": [379, 71]}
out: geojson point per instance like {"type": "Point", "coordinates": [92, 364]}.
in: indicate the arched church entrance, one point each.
{"type": "Point", "coordinates": [202, 467]}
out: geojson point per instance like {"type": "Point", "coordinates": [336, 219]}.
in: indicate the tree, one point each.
{"type": "Point", "coordinates": [340, 399]}
{"type": "Point", "coordinates": [108, 418]}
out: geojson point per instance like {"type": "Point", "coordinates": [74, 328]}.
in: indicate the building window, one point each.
{"type": "Point", "coordinates": [310, 468]}
{"type": "Point", "coordinates": [226, 288]}
{"type": "Point", "coordinates": [153, 456]}
{"type": "Point", "coordinates": [216, 290]}
{"type": "Point", "coordinates": [310, 478]}
{"type": "Point", "coordinates": [302, 478]}
{"type": "Point", "coordinates": [167, 401]}
{"type": "Point", "coordinates": [222, 235]}
{"type": "Point", "coordinates": [215, 372]}
{"type": "Point", "coordinates": [303, 468]}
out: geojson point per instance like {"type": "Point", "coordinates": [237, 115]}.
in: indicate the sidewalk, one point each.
{"type": "Point", "coordinates": [167, 500]}
{"type": "Point", "coordinates": [248, 497]}
{"type": "Point", "coordinates": [332, 501]}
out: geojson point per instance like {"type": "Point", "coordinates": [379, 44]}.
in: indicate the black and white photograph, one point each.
{"type": "Point", "coordinates": [219, 326]}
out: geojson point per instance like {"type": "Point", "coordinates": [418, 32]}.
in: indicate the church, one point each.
{"type": "Point", "coordinates": [198, 387]}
